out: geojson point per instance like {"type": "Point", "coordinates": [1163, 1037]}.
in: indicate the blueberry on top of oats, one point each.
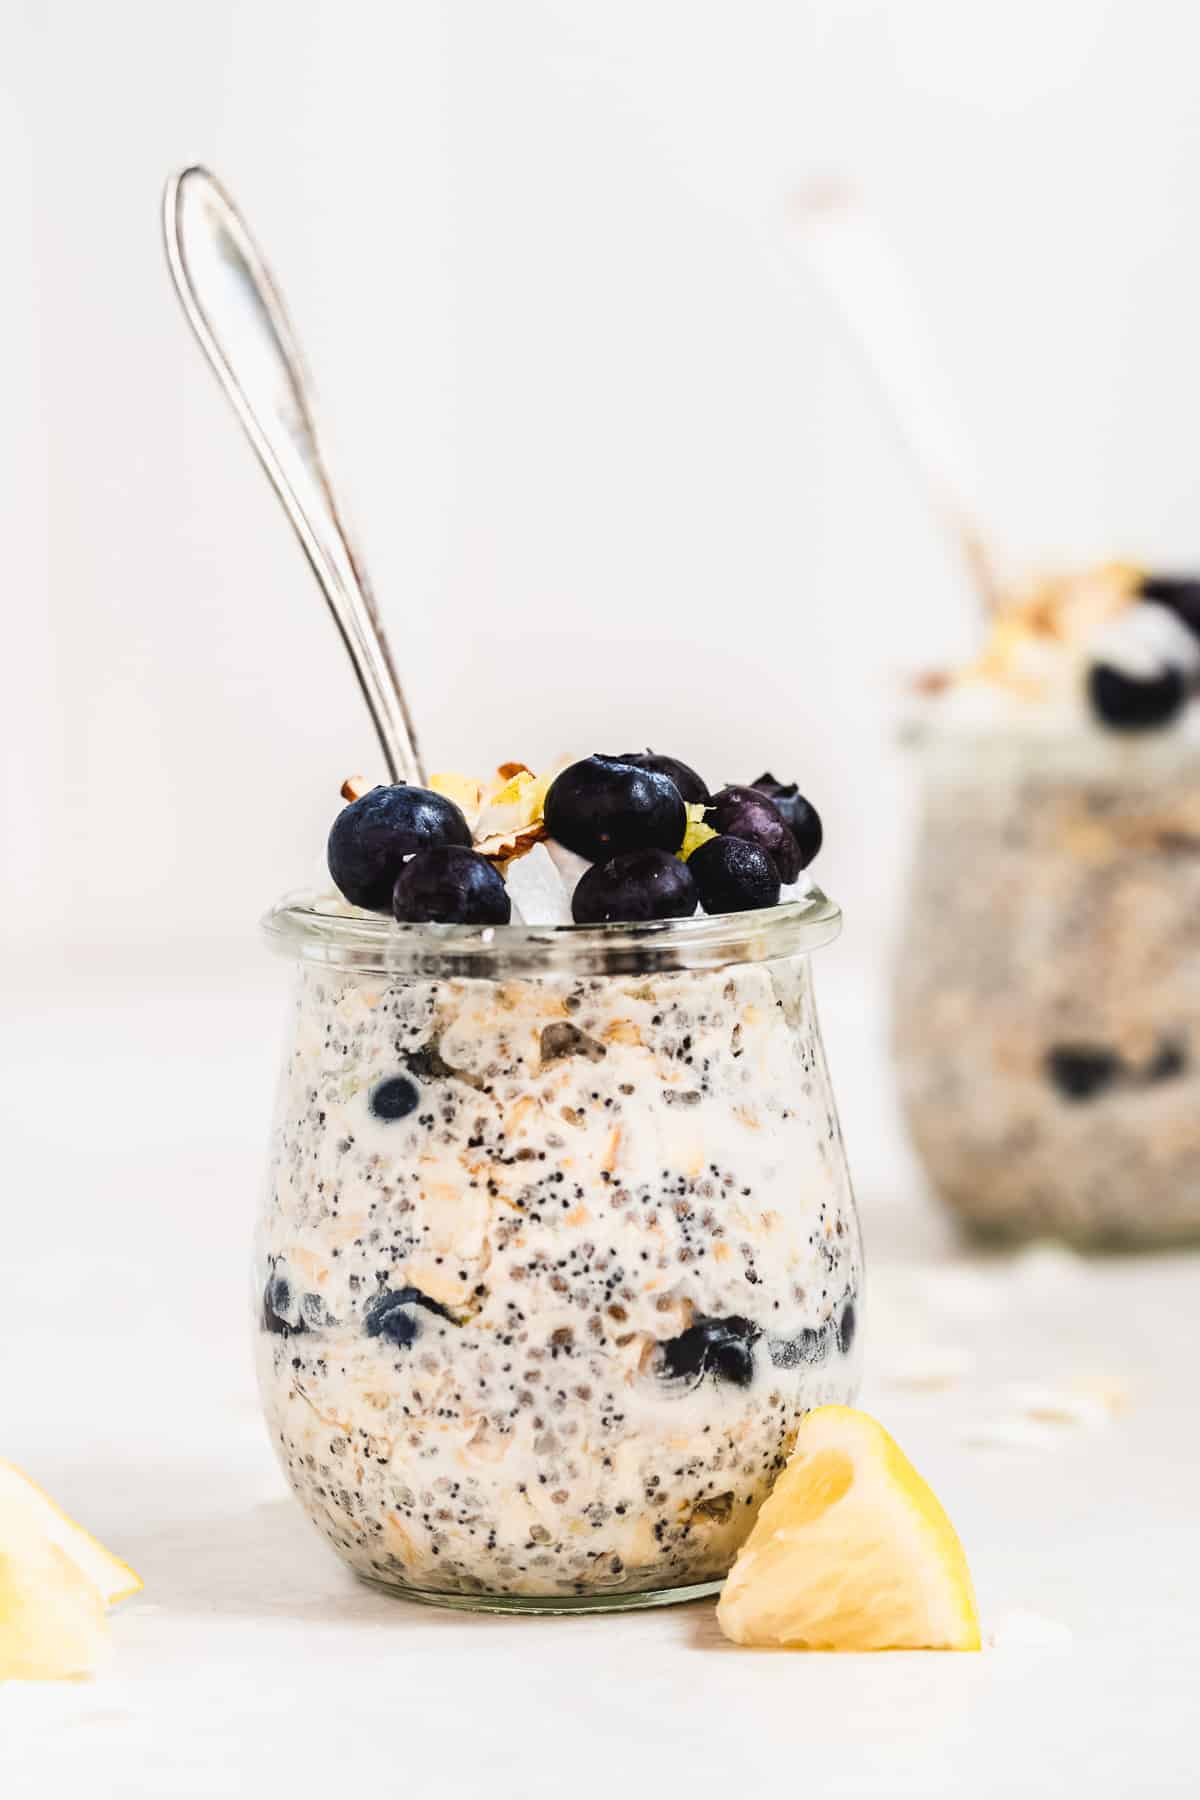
{"type": "Point", "coordinates": [602, 806]}
{"type": "Point", "coordinates": [447, 885]}
{"type": "Point", "coordinates": [1127, 702]}
{"type": "Point", "coordinates": [692, 786]}
{"type": "Point", "coordinates": [372, 836]}
{"type": "Point", "coordinates": [641, 884]}
{"type": "Point", "coordinates": [604, 840]}
{"type": "Point", "coordinates": [744, 812]}
{"type": "Point", "coordinates": [734, 875]}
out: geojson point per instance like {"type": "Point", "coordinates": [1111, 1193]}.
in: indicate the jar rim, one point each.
{"type": "Point", "coordinates": [1059, 741]}
{"type": "Point", "coordinates": [318, 927]}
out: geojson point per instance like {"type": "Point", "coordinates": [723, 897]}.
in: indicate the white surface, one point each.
{"type": "Point", "coordinates": [618, 470]}
{"type": "Point", "coordinates": [135, 1117]}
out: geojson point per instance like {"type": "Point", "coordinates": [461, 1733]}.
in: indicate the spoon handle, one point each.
{"type": "Point", "coordinates": [236, 311]}
{"type": "Point", "coordinates": [872, 291]}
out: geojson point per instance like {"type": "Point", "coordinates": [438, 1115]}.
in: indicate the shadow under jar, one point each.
{"type": "Point", "coordinates": [557, 1248]}
{"type": "Point", "coordinates": [1047, 989]}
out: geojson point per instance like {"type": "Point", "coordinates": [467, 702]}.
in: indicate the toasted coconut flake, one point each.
{"type": "Point", "coordinates": [505, 814]}
{"type": "Point", "coordinates": [355, 786]}
{"type": "Point", "coordinates": [505, 847]}
{"type": "Point", "coordinates": [510, 794]}
{"type": "Point", "coordinates": [1055, 609]}
{"type": "Point", "coordinates": [513, 815]}
{"type": "Point", "coordinates": [464, 790]}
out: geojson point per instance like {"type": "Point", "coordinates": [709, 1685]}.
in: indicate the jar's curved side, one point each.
{"type": "Point", "coordinates": [549, 1269]}
{"type": "Point", "coordinates": [795, 987]}
{"type": "Point", "coordinates": [273, 1310]}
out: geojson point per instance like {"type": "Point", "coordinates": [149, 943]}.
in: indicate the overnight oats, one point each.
{"type": "Point", "coordinates": [1047, 990]}
{"type": "Point", "coordinates": [558, 1245]}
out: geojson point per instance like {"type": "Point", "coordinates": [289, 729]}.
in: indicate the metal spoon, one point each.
{"type": "Point", "coordinates": [234, 307]}
{"type": "Point", "coordinates": [872, 291]}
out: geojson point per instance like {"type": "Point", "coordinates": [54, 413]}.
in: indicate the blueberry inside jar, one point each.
{"type": "Point", "coordinates": [558, 1243]}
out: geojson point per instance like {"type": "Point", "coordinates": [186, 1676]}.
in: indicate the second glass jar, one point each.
{"type": "Point", "coordinates": [1047, 990]}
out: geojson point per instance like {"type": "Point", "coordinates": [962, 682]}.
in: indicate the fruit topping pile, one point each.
{"type": "Point", "coordinates": [606, 840]}
{"type": "Point", "coordinates": [1118, 641]}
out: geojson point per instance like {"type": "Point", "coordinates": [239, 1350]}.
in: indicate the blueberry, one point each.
{"type": "Point", "coordinates": [281, 1306]}
{"type": "Point", "coordinates": [601, 806]}
{"type": "Point", "coordinates": [372, 836]}
{"type": "Point", "coordinates": [685, 1358]}
{"type": "Point", "coordinates": [395, 1315]}
{"type": "Point", "coordinates": [722, 1348]}
{"type": "Point", "coordinates": [450, 886]}
{"type": "Point", "coordinates": [1081, 1071]}
{"type": "Point", "coordinates": [1125, 703]}
{"type": "Point", "coordinates": [1170, 1060]}
{"type": "Point", "coordinates": [743, 812]}
{"type": "Point", "coordinates": [394, 1098]}
{"type": "Point", "coordinates": [800, 816]}
{"type": "Point", "coordinates": [733, 875]}
{"type": "Point", "coordinates": [641, 884]}
{"type": "Point", "coordinates": [847, 1326]}
{"type": "Point", "coordinates": [1180, 594]}
{"type": "Point", "coordinates": [694, 790]}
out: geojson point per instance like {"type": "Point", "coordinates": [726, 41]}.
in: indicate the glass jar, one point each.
{"type": "Point", "coordinates": [558, 1246]}
{"type": "Point", "coordinates": [1047, 989]}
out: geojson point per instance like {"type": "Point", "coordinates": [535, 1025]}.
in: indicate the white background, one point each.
{"type": "Point", "coordinates": [618, 474]}
{"type": "Point", "coordinates": [620, 479]}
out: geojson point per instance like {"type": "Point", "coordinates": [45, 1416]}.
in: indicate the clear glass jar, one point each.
{"type": "Point", "coordinates": [557, 1248]}
{"type": "Point", "coordinates": [1047, 988]}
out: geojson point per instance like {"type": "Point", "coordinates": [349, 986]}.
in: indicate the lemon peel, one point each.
{"type": "Point", "coordinates": [697, 832]}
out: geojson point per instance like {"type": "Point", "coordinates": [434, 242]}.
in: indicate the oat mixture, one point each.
{"type": "Point", "coordinates": [550, 1270]}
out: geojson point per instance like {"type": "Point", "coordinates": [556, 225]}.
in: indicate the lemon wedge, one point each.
{"type": "Point", "coordinates": [56, 1583]}
{"type": "Point", "coordinates": [26, 1512]}
{"type": "Point", "coordinates": [851, 1552]}
{"type": "Point", "coordinates": [52, 1624]}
